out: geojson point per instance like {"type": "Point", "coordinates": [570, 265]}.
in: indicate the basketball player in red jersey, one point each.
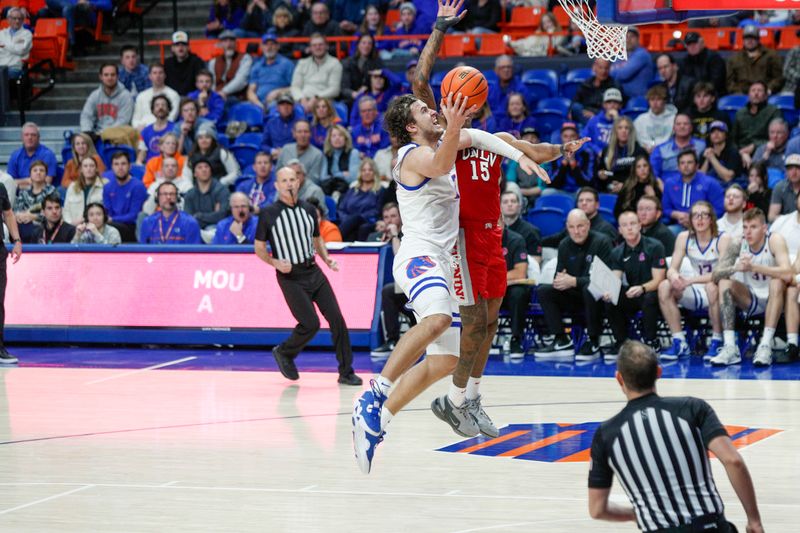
{"type": "Point", "coordinates": [480, 277]}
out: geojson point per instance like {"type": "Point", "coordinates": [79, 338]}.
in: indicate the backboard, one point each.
{"type": "Point", "coordinates": [649, 11]}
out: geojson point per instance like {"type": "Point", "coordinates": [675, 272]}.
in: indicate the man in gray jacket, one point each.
{"type": "Point", "coordinates": [208, 202]}
{"type": "Point", "coordinates": [108, 110]}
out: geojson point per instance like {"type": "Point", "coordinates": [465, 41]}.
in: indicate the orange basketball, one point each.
{"type": "Point", "coordinates": [468, 81]}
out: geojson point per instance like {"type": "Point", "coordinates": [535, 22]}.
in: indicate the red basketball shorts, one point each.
{"type": "Point", "coordinates": [480, 265]}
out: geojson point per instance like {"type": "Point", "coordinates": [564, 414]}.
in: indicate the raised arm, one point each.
{"type": "Point", "coordinates": [725, 266]}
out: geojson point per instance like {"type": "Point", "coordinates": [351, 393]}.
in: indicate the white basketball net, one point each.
{"type": "Point", "coordinates": [606, 41]}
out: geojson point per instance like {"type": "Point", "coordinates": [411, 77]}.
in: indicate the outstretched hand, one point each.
{"type": "Point", "coordinates": [530, 167]}
{"type": "Point", "coordinates": [573, 146]}
{"type": "Point", "coordinates": [447, 16]}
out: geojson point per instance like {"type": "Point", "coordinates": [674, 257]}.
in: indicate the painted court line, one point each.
{"type": "Point", "coordinates": [53, 497]}
{"type": "Point", "coordinates": [518, 524]}
{"type": "Point", "coordinates": [140, 370]}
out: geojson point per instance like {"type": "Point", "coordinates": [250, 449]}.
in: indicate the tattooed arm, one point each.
{"type": "Point", "coordinates": [725, 266]}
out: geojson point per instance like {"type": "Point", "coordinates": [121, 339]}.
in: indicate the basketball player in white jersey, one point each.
{"type": "Point", "coordinates": [427, 193]}
{"type": "Point", "coordinates": [731, 222]}
{"type": "Point", "coordinates": [788, 226]}
{"type": "Point", "coordinates": [751, 276]}
{"type": "Point", "coordinates": [702, 244]}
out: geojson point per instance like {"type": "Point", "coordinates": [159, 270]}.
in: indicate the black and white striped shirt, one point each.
{"type": "Point", "coordinates": [658, 449]}
{"type": "Point", "coordinates": [290, 230]}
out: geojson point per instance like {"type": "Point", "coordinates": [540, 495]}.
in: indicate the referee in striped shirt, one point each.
{"type": "Point", "coordinates": [290, 225]}
{"type": "Point", "coordinates": [658, 449]}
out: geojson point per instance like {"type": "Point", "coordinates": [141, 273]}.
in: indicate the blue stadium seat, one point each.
{"type": "Point", "coordinates": [785, 102]}
{"type": "Point", "coordinates": [245, 154]}
{"type": "Point", "coordinates": [137, 171]}
{"type": "Point", "coordinates": [540, 83]}
{"type": "Point", "coordinates": [331, 204]}
{"type": "Point", "coordinates": [250, 137]}
{"type": "Point", "coordinates": [608, 215]}
{"type": "Point", "coordinates": [248, 113]}
{"type": "Point", "coordinates": [548, 121]}
{"type": "Point", "coordinates": [562, 202]}
{"type": "Point", "coordinates": [731, 104]}
{"type": "Point", "coordinates": [223, 139]}
{"type": "Point", "coordinates": [608, 201]}
{"type": "Point", "coordinates": [547, 219]}
{"type": "Point", "coordinates": [636, 106]}
{"type": "Point", "coordinates": [436, 83]}
{"type": "Point", "coordinates": [66, 154]}
{"type": "Point", "coordinates": [574, 79]}
{"type": "Point", "coordinates": [556, 103]}
{"type": "Point", "coordinates": [341, 110]}
{"type": "Point", "coordinates": [110, 149]}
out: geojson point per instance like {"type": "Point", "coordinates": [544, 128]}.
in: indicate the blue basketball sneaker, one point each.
{"type": "Point", "coordinates": [713, 349]}
{"type": "Point", "coordinates": [367, 433]}
{"type": "Point", "coordinates": [678, 349]}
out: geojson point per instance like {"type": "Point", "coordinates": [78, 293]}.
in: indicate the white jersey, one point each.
{"type": "Point", "coordinates": [703, 260]}
{"type": "Point", "coordinates": [764, 257]}
{"type": "Point", "coordinates": [429, 212]}
{"type": "Point", "coordinates": [734, 230]}
{"type": "Point", "coordinates": [789, 228]}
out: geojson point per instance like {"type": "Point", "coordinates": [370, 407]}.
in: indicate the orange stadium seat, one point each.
{"type": "Point", "coordinates": [492, 45]}
{"type": "Point", "coordinates": [205, 48]}
{"type": "Point", "coordinates": [523, 18]}
{"type": "Point", "coordinates": [789, 38]}
{"type": "Point", "coordinates": [57, 30]}
{"type": "Point", "coordinates": [392, 17]}
{"type": "Point", "coordinates": [452, 46]}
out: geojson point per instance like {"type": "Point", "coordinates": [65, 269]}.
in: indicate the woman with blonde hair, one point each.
{"type": "Point", "coordinates": [82, 147]}
{"type": "Point", "coordinates": [616, 160]}
{"type": "Point", "coordinates": [168, 146]}
{"type": "Point", "coordinates": [640, 182]}
{"type": "Point", "coordinates": [340, 163]}
{"type": "Point", "coordinates": [360, 206]}
{"type": "Point", "coordinates": [87, 189]}
{"type": "Point", "coordinates": [283, 26]}
{"type": "Point", "coordinates": [324, 116]}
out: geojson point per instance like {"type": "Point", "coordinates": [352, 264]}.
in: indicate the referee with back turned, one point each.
{"type": "Point", "coordinates": [658, 448]}
{"type": "Point", "coordinates": [290, 225]}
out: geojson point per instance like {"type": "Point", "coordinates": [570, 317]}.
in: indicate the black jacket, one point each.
{"type": "Point", "coordinates": [577, 259]}
{"type": "Point", "coordinates": [354, 76]}
{"type": "Point", "coordinates": [591, 97]}
{"type": "Point", "coordinates": [706, 66]}
{"type": "Point", "coordinates": [681, 94]}
{"type": "Point", "coordinates": [180, 76]}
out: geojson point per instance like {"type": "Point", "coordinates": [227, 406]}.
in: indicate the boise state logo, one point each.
{"type": "Point", "coordinates": [418, 266]}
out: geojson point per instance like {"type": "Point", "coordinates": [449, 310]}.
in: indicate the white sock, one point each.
{"type": "Point", "coordinates": [457, 395]}
{"type": "Point", "coordinates": [729, 337]}
{"type": "Point", "coordinates": [681, 336]}
{"type": "Point", "coordinates": [766, 337]}
{"type": "Point", "coordinates": [384, 384]}
{"type": "Point", "coordinates": [791, 338]}
{"type": "Point", "coordinates": [716, 336]}
{"type": "Point", "coordinates": [386, 417]}
{"type": "Point", "coordinates": [472, 388]}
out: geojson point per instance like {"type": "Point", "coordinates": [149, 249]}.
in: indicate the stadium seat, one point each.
{"type": "Point", "coordinates": [66, 154]}
{"type": "Point", "coordinates": [492, 44]}
{"type": "Point", "coordinates": [245, 154]}
{"type": "Point", "coordinates": [636, 106]}
{"type": "Point", "coordinates": [608, 216]}
{"type": "Point", "coordinates": [436, 83]}
{"type": "Point", "coordinates": [573, 80]}
{"type": "Point", "coordinates": [562, 202]}
{"type": "Point", "coordinates": [731, 104]}
{"type": "Point", "coordinates": [547, 219]}
{"type": "Point", "coordinates": [341, 110]}
{"type": "Point", "coordinates": [392, 17]}
{"type": "Point", "coordinates": [608, 201]}
{"type": "Point", "coordinates": [785, 102]}
{"type": "Point", "coordinates": [331, 204]}
{"type": "Point", "coordinates": [453, 46]}
{"type": "Point", "coordinates": [248, 113]}
{"type": "Point", "coordinates": [137, 171]}
{"type": "Point", "coordinates": [206, 49]}
{"type": "Point", "coordinates": [523, 18]}
{"type": "Point", "coordinates": [789, 39]}
{"type": "Point", "coordinates": [539, 84]}
{"type": "Point", "coordinates": [252, 138]}
{"type": "Point", "coordinates": [547, 121]}
{"type": "Point", "coordinates": [556, 103]}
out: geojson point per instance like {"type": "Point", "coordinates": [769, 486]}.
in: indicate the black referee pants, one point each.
{"type": "Point", "coordinates": [516, 301]}
{"type": "Point", "coordinates": [555, 302]}
{"type": "Point", "coordinates": [626, 308]}
{"type": "Point", "coordinates": [3, 283]}
{"type": "Point", "coordinates": [392, 304]}
{"type": "Point", "coordinates": [303, 287]}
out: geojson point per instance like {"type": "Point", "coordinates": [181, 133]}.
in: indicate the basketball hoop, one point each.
{"type": "Point", "coordinates": [606, 41]}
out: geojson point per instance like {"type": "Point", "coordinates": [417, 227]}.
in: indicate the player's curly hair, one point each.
{"type": "Point", "coordinates": [398, 116]}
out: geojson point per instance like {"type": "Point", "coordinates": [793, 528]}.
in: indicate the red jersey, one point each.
{"type": "Point", "coordinates": [479, 176]}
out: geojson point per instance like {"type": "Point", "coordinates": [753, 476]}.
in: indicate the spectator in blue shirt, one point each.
{"type": "Point", "coordinates": [211, 104]}
{"type": "Point", "coordinates": [259, 188]}
{"type": "Point", "coordinates": [664, 158]}
{"type": "Point", "coordinates": [132, 74]}
{"type": "Point", "coordinates": [19, 164]}
{"type": "Point", "coordinates": [681, 192]}
{"type": "Point", "coordinates": [636, 72]}
{"type": "Point", "coordinates": [368, 135]}
{"type": "Point", "coordinates": [360, 206]}
{"type": "Point", "coordinates": [271, 75]}
{"type": "Point", "coordinates": [350, 13]}
{"type": "Point", "coordinates": [517, 117]}
{"type": "Point", "coordinates": [408, 25]}
{"type": "Point", "coordinates": [278, 129]}
{"type": "Point", "coordinates": [224, 15]}
{"type": "Point", "coordinates": [123, 197]}
{"type": "Point", "coordinates": [151, 135]}
{"type": "Point", "coordinates": [169, 225]}
{"type": "Point", "coordinates": [508, 83]}
{"type": "Point", "coordinates": [599, 126]}
{"type": "Point", "coordinates": [240, 227]}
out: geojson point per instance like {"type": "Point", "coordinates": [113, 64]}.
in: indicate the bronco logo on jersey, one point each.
{"type": "Point", "coordinates": [418, 266]}
{"type": "Point", "coordinates": [565, 443]}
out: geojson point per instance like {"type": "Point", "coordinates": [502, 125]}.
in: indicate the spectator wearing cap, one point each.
{"type": "Point", "coordinates": [278, 128]}
{"type": "Point", "coordinates": [271, 74]}
{"type": "Point", "coordinates": [635, 73]}
{"type": "Point", "coordinates": [689, 186]}
{"type": "Point", "coordinates": [356, 68]}
{"type": "Point", "coordinates": [754, 62]}
{"type": "Point", "coordinates": [183, 66]}
{"type": "Point", "coordinates": [664, 157]}
{"type": "Point", "coordinates": [572, 171]}
{"type": "Point", "coordinates": [785, 192]}
{"type": "Point", "coordinates": [721, 159]}
{"type": "Point", "coordinates": [240, 227]}
{"type": "Point", "coordinates": [108, 110]}
{"type": "Point", "coordinates": [589, 96]}
{"type": "Point", "coordinates": [231, 70]}
{"type": "Point", "coordinates": [369, 136]}
{"type": "Point", "coordinates": [655, 125]}
{"type": "Point", "coordinates": [224, 166]}
{"type": "Point", "coordinates": [208, 202]}
{"type": "Point", "coordinates": [143, 114]}
{"type": "Point", "coordinates": [411, 72]}
{"type": "Point", "coordinates": [408, 25]}
{"type": "Point", "coordinates": [211, 103]}
{"type": "Point", "coordinates": [169, 225]}
{"type": "Point", "coordinates": [222, 17]}
{"type": "Point", "coordinates": [303, 150]}
{"type": "Point", "coordinates": [317, 76]}
{"type": "Point", "coordinates": [679, 86]}
{"type": "Point", "coordinates": [254, 21]}
{"type": "Point", "coordinates": [186, 128]}
{"type": "Point", "coordinates": [773, 151]}
{"type": "Point", "coordinates": [260, 187]}
{"type": "Point", "coordinates": [751, 125]}
{"type": "Point", "coordinates": [508, 82]}
{"type": "Point", "coordinates": [703, 110]}
{"type": "Point", "coordinates": [701, 63]}
{"type": "Point", "coordinates": [132, 74]}
{"type": "Point", "coordinates": [599, 126]}
{"type": "Point", "coordinates": [307, 189]}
